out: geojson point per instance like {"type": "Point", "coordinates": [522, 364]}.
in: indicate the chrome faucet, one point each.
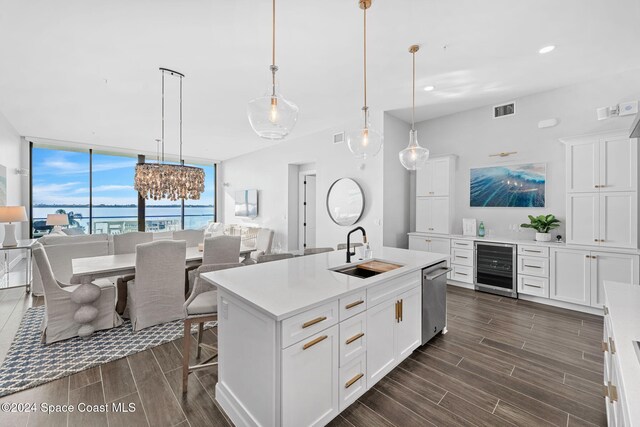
{"type": "Point", "coordinates": [364, 240]}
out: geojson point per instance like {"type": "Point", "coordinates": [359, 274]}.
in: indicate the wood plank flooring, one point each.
{"type": "Point", "coordinates": [504, 362]}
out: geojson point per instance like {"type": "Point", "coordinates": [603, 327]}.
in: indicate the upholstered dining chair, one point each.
{"type": "Point", "coordinates": [264, 241]}
{"type": "Point", "coordinates": [217, 250]}
{"type": "Point", "coordinates": [155, 293]}
{"type": "Point", "coordinates": [200, 307]}
{"type": "Point", "coordinates": [63, 317]}
{"type": "Point", "coordinates": [342, 246]}
{"type": "Point", "coordinates": [273, 257]}
{"type": "Point", "coordinates": [126, 243]}
{"type": "Point", "coordinates": [192, 237]}
{"type": "Point", "coordinates": [313, 251]}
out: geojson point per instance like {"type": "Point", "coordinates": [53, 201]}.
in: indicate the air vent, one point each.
{"type": "Point", "coordinates": [504, 110]}
{"type": "Point", "coordinates": [338, 138]}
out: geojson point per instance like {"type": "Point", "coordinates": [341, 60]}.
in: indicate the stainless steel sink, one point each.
{"type": "Point", "coordinates": [367, 269]}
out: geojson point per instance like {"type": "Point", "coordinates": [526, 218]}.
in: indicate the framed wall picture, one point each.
{"type": "Point", "coordinates": [3, 186]}
{"type": "Point", "coordinates": [508, 186]}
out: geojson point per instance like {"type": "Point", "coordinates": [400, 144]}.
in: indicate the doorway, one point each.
{"type": "Point", "coordinates": [307, 209]}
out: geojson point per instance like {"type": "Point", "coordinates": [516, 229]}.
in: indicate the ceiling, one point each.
{"type": "Point", "coordinates": [87, 71]}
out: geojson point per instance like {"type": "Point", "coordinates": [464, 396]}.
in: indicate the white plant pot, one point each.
{"type": "Point", "coordinates": [543, 237]}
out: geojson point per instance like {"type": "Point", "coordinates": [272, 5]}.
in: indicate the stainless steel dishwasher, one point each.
{"type": "Point", "coordinates": [434, 300]}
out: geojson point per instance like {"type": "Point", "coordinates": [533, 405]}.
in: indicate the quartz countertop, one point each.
{"type": "Point", "coordinates": [284, 288]}
{"type": "Point", "coordinates": [624, 312]}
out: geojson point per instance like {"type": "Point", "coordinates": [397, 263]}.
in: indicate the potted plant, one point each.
{"type": "Point", "coordinates": [542, 224]}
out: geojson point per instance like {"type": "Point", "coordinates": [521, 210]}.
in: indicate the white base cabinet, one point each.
{"type": "Point", "coordinates": [577, 276]}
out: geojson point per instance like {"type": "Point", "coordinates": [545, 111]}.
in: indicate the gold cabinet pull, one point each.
{"type": "Point", "coordinates": [314, 342]}
{"type": "Point", "coordinates": [353, 304]}
{"type": "Point", "coordinates": [314, 321]}
{"type": "Point", "coordinates": [353, 380]}
{"type": "Point", "coordinates": [605, 391]}
{"type": "Point", "coordinates": [605, 347]}
{"type": "Point", "coordinates": [401, 310]}
{"type": "Point", "coordinates": [398, 311]}
{"type": "Point", "coordinates": [606, 310]}
{"type": "Point", "coordinates": [612, 346]}
{"type": "Point", "coordinates": [613, 393]}
{"type": "Point", "coordinates": [354, 338]}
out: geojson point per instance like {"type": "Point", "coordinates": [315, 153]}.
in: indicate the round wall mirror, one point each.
{"type": "Point", "coordinates": [345, 201]}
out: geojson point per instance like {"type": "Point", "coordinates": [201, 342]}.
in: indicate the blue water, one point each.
{"type": "Point", "coordinates": [506, 187]}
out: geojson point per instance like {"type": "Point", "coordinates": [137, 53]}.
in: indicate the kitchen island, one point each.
{"type": "Point", "coordinates": [298, 342]}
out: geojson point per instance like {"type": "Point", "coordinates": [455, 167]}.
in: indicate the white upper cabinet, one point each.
{"type": "Point", "coordinates": [583, 218]}
{"type": "Point", "coordinates": [434, 179]}
{"type": "Point", "coordinates": [432, 215]}
{"type": "Point", "coordinates": [618, 220]}
{"type": "Point", "coordinates": [618, 164]}
{"type": "Point", "coordinates": [582, 167]}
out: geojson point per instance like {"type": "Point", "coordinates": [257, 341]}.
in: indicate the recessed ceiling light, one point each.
{"type": "Point", "coordinates": [429, 88]}
{"type": "Point", "coordinates": [546, 49]}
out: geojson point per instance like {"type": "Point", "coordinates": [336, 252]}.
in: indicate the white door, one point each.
{"type": "Point", "coordinates": [418, 243]}
{"type": "Point", "coordinates": [409, 329]}
{"type": "Point", "coordinates": [423, 214]}
{"type": "Point", "coordinates": [582, 218]}
{"type": "Point", "coordinates": [310, 395]}
{"type": "Point", "coordinates": [611, 267]}
{"type": "Point", "coordinates": [440, 177]}
{"type": "Point", "coordinates": [619, 220]}
{"type": "Point", "coordinates": [439, 215]}
{"type": "Point", "coordinates": [582, 166]}
{"type": "Point", "coordinates": [618, 160]}
{"type": "Point", "coordinates": [381, 355]}
{"type": "Point", "coordinates": [424, 180]}
{"type": "Point", "coordinates": [439, 245]}
{"type": "Point", "coordinates": [570, 276]}
{"type": "Point", "coordinates": [308, 212]}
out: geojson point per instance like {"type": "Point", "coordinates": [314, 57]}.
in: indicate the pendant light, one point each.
{"type": "Point", "coordinates": [169, 181]}
{"type": "Point", "coordinates": [414, 156]}
{"type": "Point", "coordinates": [272, 116]}
{"type": "Point", "coordinates": [364, 142]}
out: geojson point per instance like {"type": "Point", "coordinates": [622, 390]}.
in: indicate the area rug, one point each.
{"type": "Point", "coordinates": [30, 363]}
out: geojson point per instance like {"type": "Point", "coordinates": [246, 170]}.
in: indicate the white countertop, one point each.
{"type": "Point", "coordinates": [284, 288]}
{"type": "Point", "coordinates": [529, 242]}
{"type": "Point", "coordinates": [624, 311]}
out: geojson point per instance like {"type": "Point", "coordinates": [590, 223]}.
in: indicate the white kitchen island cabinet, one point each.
{"type": "Point", "coordinates": [299, 342]}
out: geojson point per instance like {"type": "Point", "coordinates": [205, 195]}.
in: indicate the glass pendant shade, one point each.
{"type": "Point", "coordinates": [364, 143]}
{"type": "Point", "coordinates": [272, 116]}
{"type": "Point", "coordinates": [414, 156]}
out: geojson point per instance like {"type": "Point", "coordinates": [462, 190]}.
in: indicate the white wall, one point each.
{"type": "Point", "coordinates": [10, 157]}
{"type": "Point", "coordinates": [269, 172]}
{"type": "Point", "coordinates": [396, 187]}
{"type": "Point", "coordinates": [473, 135]}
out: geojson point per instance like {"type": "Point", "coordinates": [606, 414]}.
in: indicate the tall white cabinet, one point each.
{"type": "Point", "coordinates": [434, 195]}
{"type": "Point", "coordinates": [602, 190]}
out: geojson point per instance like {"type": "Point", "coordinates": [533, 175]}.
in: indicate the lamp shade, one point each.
{"type": "Point", "coordinates": [13, 214]}
{"type": "Point", "coordinates": [57, 219]}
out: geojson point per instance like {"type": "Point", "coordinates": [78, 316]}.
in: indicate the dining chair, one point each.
{"type": "Point", "coordinates": [342, 246]}
{"type": "Point", "coordinates": [217, 250]}
{"type": "Point", "coordinates": [126, 243]}
{"type": "Point", "coordinates": [264, 241]}
{"type": "Point", "coordinates": [155, 294]}
{"type": "Point", "coordinates": [273, 257]}
{"type": "Point", "coordinates": [67, 307]}
{"type": "Point", "coordinates": [313, 251]}
{"type": "Point", "coordinates": [192, 237]}
{"type": "Point", "coordinates": [200, 307]}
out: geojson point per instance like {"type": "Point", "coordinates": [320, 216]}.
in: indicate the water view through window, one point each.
{"type": "Point", "coordinates": [95, 190]}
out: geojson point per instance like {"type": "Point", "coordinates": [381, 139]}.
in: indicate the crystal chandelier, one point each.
{"type": "Point", "coordinates": [364, 142]}
{"type": "Point", "coordinates": [414, 156]}
{"type": "Point", "coordinates": [272, 116]}
{"type": "Point", "coordinates": [167, 181]}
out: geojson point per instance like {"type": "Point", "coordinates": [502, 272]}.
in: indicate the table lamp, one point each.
{"type": "Point", "coordinates": [9, 215]}
{"type": "Point", "coordinates": [57, 220]}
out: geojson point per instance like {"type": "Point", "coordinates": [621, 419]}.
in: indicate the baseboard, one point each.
{"type": "Point", "coordinates": [12, 263]}
{"type": "Point", "coordinates": [461, 284]}
{"type": "Point", "coordinates": [562, 304]}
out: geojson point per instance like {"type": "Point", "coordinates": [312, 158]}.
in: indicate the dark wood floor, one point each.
{"type": "Point", "coordinates": [503, 362]}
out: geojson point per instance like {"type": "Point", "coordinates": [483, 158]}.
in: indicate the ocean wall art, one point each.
{"type": "Point", "coordinates": [508, 186]}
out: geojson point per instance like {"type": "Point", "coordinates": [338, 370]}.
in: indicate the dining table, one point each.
{"type": "Point", "coordinates": [87, 270]}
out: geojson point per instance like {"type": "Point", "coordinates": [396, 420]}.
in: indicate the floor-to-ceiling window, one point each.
{"type": "Point", "coordinates": [60, 185]}
{"type": "Point", "coordinates": [95, 189]}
